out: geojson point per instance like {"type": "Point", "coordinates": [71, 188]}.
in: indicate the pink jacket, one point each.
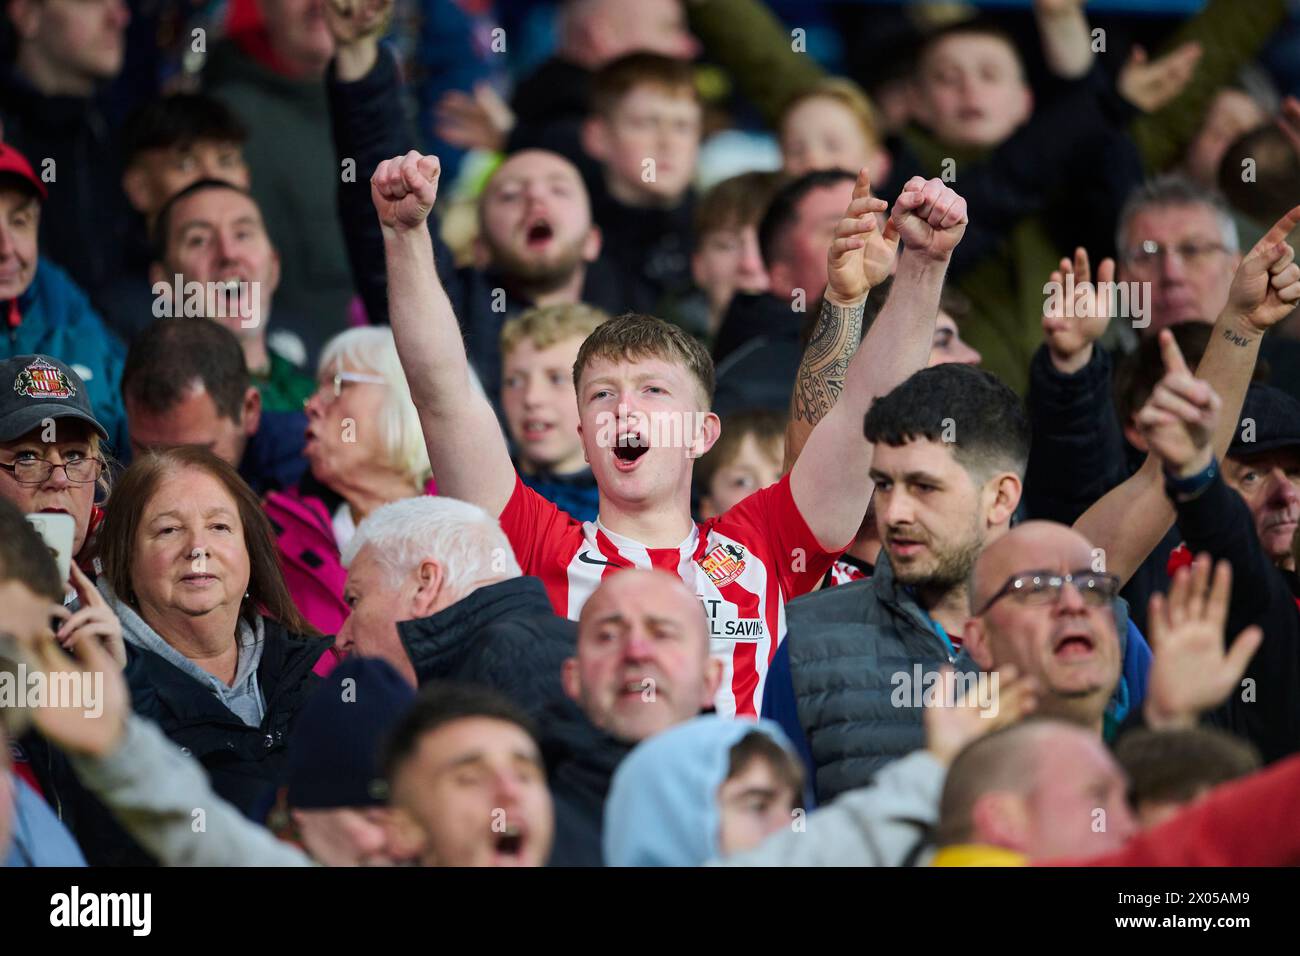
{"type": "Point", "coordinates": [311, 562]}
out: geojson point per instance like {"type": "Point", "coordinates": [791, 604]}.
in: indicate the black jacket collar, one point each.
{"type": "Point", "coordinates": [442, 634]}
{"type": "Point", "coordinates": [286, 659]}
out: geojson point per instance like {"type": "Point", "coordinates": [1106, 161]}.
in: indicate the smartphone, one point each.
{"type": "Point", "coordinates": [58, 530]}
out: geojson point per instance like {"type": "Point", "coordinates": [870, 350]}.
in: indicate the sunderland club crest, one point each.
{"type": "Point", "coordinates": [43, 380]}
{"type": "Point", "coordinates": [723, 564]}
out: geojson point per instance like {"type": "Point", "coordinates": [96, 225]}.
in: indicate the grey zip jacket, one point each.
{"type": "Point", "coordinates": [881, 824]}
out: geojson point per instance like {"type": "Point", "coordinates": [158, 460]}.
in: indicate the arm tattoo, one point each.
{"type": "Point", "coordinates": [1238, 340]}
{"type": "Point", "coordinates": [826, 360]}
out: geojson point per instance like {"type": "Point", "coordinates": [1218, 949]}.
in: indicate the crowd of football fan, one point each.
{"type": "Point", "coordinates": [693, 456]}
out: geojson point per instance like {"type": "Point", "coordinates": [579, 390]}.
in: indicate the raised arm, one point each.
{"type": "Point", "coordinates": [1063, 31]}
{"type": "Point", "coordinates": [829, 481]}
{"type": "Point", "coordinates": [466, 448]}
{"type": "Point", "coordinates": [820, 378]}
{"type": "Point", "coordinates": [1130, 521]}
{"type": "Point", "coordinates": [1076, 448]}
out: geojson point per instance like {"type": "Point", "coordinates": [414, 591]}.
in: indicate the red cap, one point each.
{"type": "Point", "coordinates": [15, 164]}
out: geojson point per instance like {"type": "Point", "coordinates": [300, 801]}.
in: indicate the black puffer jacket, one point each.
{"type": "Point", "coordinates": [580, 762]}
{"type": "Point", "coordinates": [244, 763]}
{"type": "Point", "coordinates": [505, 636]}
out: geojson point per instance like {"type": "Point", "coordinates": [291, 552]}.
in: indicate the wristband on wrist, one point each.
{"type": "Point", "coordinates": [1193, 486]}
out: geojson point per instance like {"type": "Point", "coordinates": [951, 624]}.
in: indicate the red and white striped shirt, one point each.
{"type": "Point", "coordinates": [844, 571]}
{"type": "Point", "coordinates": [743, 565]}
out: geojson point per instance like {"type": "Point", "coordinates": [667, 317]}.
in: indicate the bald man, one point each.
{"type": "Point", "coordinates": [641, 665]}
{"type": "Point", "coordinates": [1037, 604]}
{"type": "Point", "coordinates": [1044, 791]}
{"type": "Point", "coordinates": [1037, 790]}
{"type": "Point", "coordinates": [643, 660]}
{"type": "Point", "coordinates": [1062, 633]}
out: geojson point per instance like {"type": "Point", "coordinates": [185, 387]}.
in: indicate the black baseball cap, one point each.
{"type": "Point", "coordinates": [1270, 418]}
{"type": "Point", "coordinates": [36, 387]}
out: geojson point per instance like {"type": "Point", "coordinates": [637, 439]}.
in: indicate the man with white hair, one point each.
{"type": "Point", "coordinates": [436, 591]}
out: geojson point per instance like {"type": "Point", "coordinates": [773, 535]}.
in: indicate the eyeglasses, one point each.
{"type": "Point", "coordinates": [1193, 254]}
{"type": "Point", "coordinates": [37, 471]}
{"type": "Point", "coordinates": [1038, 588]}
{"type": "Point", "coordinates": [333, 386]}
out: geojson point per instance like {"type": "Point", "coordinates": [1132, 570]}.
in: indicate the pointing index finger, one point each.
{"type": "Point", "coordinates": [1281, 229]}
{"type": "Point", "coordinates": [1172, 355]}
{"type": "Point", "coordinates": [862, 188]}
{"type": "Point", "coordinates": [85, 588]}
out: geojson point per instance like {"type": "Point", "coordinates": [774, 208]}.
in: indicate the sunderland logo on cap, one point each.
{"type": "Point", "coordinates": [43, 380]}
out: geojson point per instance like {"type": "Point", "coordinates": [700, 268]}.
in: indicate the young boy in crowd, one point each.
{"type": "Point", "coordinates": [727, 258]}
{"type": "Point", "coordinates": [831, 126]}
{"type": "Point", "coordinates": [177, 140]}
{"type": "Point", "coordinates": [538, 349]}
{"type": "Point", "coordinates": [703, 790]}
{"type": "Point", "coordinates": [644, 130]}
{"type": "Point", "coordinates": [747, 457]}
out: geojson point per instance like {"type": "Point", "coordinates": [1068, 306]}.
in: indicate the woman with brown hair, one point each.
{"type": "Point", "coordinates": [218, 655]}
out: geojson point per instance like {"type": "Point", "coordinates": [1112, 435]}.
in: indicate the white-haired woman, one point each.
{"type": "Point", "coordinates": [365, 450]}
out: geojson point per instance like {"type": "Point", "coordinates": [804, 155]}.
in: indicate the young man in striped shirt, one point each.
{"type": "Point", "coordinates": [644, 390]}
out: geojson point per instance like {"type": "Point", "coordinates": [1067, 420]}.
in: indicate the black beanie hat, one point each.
{"type": "Point", "coordinates": [334, 752]}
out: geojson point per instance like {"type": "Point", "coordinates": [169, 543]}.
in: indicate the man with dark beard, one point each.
{"type": "Point", "coordinates": [537, 246]}
{"type": "Point", "coordinates": [951, 444]}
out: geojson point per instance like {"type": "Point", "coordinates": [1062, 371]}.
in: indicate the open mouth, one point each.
{"type": "Point", "coordinates": [228, 287]}
{"type": "Point", "coordinates": [509, 846]}
{"type": "Point", "coordinates": [629, 454]}
{"type": "Point", "coordinates": [535, 430]}
{"type": "Point", "coordinates": [1074, 645]}
{"type": "Point", "coordinates": [539, 233]}
{"type": "Point", "coordinates": [631, 446]}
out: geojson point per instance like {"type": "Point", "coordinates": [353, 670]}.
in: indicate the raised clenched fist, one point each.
{"type": "Point", "coordinates": [403, 190]}
{"type": "Point", "coordinates": [930, 217]}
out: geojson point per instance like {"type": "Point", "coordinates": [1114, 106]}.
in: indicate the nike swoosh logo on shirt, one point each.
{"type": "Point", "coordinates": [585, 558]}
